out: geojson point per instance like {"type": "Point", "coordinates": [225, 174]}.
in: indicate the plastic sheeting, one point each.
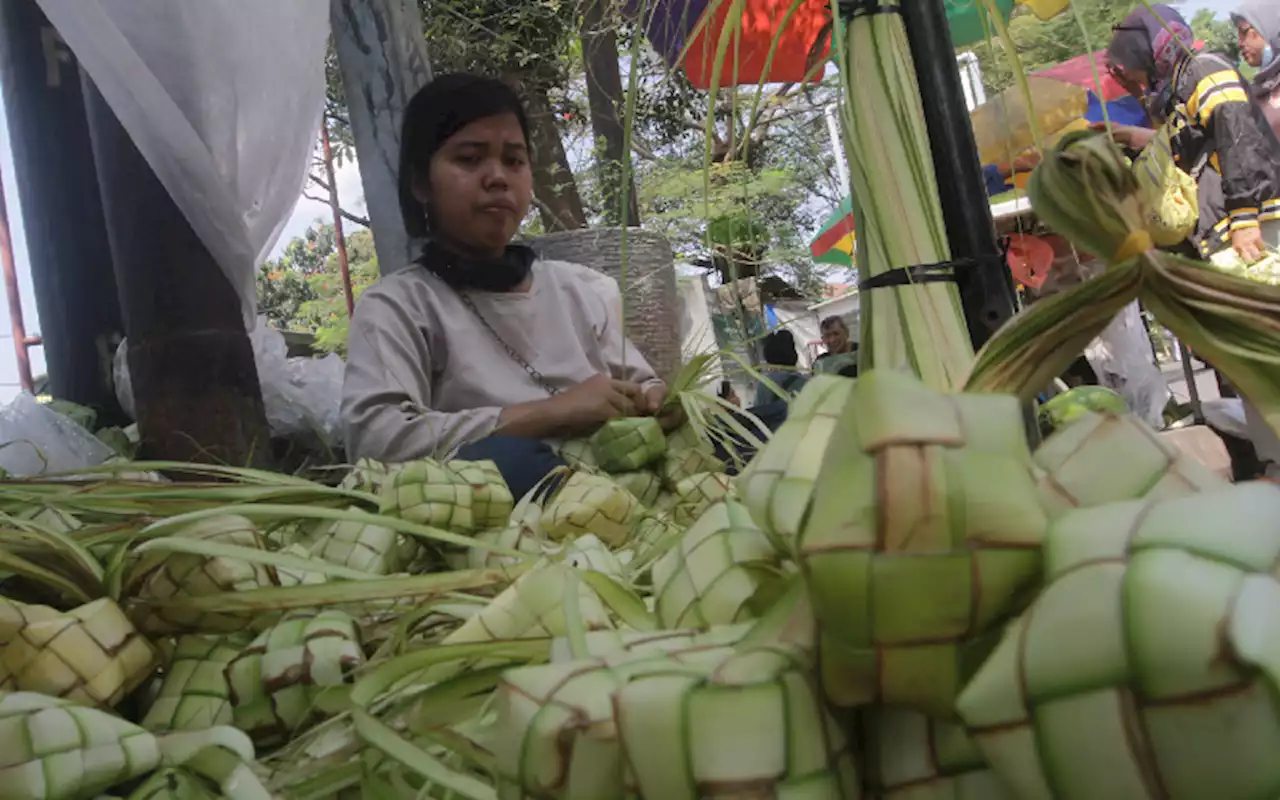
{"type": "Point", "coordinates": [40, 441]}
{"type": "Point", "coordinates": [222, 97]}
{"type": "Point", "coordinates": [301, 395]}
{"type": "Point", "coordinates": [1122, 359]}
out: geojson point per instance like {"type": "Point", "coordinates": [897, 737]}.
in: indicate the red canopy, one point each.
{"type": "Point", "coordinates": [761, 20]}
{"type": "Point", "coordinates": [1079, 71]}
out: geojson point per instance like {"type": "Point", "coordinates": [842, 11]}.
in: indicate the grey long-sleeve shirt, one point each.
{"type": "Point", "coordinates": [424, 376]}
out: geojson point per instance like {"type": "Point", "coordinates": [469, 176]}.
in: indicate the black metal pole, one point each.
{"type": "Point", "coordinates": [194, 380]}
{"type": "Point", "coordinates": [67, 245]}
{"type": "Point", "coordinates": [986, 290]}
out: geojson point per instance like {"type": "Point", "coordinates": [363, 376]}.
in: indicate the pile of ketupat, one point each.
{"type": "Point", "coordinates": [895, 599]}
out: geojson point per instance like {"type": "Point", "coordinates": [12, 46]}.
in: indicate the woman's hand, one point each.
{"type": "Point", "coordinates": [1248, 244]}
{"type": "Point", "coordinates": [594, 402]}
{"type": "Point", "coordinates": [1130, 136]}
{"type": "Point", "coordinates": [670, 418]}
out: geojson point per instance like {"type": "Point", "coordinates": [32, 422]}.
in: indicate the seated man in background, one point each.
{"type": "Point", "coordinates": [841, 357]}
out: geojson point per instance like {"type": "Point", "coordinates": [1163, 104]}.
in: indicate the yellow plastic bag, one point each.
{"type": "Point", "coordinates": [1169, 194]}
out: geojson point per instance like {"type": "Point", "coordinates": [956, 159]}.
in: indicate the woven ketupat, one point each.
{"type": "Point", "coordinates": [696, 494]}
{"type": "Point", "coordinates": [516, 537]}
{"type": "Point", "coordinates": [195, 694]}
{"type": "Point", "coordinates": [777, 485]}
{"type": "Point", "coordinates": [428, 493]}
{"type": "Point", "coordinates": [618, 643]}
{"type": "Point", "coordinates": [368, 548]}
{"type": "Point", "coordinates": [911, 756]}
{"type": "Point", "coordinates": [919, 539]}
{"type": "Point", "coordinates": [1105, 458]}
{"type": "Point", "coordinates": [166, 576]}
{"type": "Point", "coordinates": [589, 553]}
{"type": "Point", "coordinates": [491, 500]}
{"type": "Point", "coordinates": [276, 681]}
{"type": "Point", "coordinates": [688, 454]}
{"type": "Point", "coordinates": [91, 655]}
{"type": "Point", "coordinates": [711, 575]}
{"type": "Point", "coordinates": [643, 485]}
{"type": "Point", "coordinates": [629, 444]}
{"type": "Point", "coordinates": [577, 453]}
{"type": "Point", "coordinates": [533, 608]}
{"type": "Point", "coordinates": [1150, 665]}
{"type": "Point", "coordinates": [590, 504]}
{"type": "Point", "coordinates": [60, 751]}
{"type": "Point", "coordinates": [368, 476]}
{"type": "Point", "coordinates": [671, 726]}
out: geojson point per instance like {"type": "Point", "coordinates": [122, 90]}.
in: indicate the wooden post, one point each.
{"type": "Point", "coordinates": [382, 54]}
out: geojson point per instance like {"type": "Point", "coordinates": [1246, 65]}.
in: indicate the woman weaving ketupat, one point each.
{"type": "Point", "coordinates": [480, 349]}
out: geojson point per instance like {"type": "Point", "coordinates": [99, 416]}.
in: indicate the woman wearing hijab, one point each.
{"type": "Point", "coordinates": [1216, 126]}
{"type": "Point", "coordinates": [479, 349]}
{"type": "Point", "coordinates": [1258, 29]}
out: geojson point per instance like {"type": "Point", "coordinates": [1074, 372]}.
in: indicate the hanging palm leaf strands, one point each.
{"type": "Point", "coordinates": [911, 314]}
{"type": "Point", "coordinates": [1085, 190]}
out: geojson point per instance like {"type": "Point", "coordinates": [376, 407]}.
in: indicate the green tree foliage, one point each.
{"type": "Point", "coordinates": [302, 290]}
{"type": "Point", "coordinates": [534, 47]}
{"type": "Point", "coordinates": [1044, 43]}
{"type": "Point", "coordinates": [1219, 35]}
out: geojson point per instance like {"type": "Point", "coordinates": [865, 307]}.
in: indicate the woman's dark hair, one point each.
{"type": "Point", "coordinates": [439, 110]}
{"type": "Point", "coordinates": [725, 390]}
{"type": "Point", "coordinates": [780, 349]}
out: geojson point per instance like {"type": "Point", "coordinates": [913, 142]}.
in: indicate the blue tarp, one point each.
{"type": "Point", "coordinates": [1125, 111]}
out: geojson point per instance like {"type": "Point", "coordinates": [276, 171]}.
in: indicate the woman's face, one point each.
{"type": "Point", "coordinates": [1251, 42]}
{"type": "Point", "coordinates": [481, 184]}
{"type": "Point", "coordinates": [1135, 81]}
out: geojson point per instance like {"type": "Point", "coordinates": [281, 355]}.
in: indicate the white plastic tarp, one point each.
{"type": "Point", "coordinates": [1121, 357]}
{"type": "Point", "coordinates": [222, 97]}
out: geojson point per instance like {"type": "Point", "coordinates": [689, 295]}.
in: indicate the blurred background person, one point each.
{"type": "Point", "coordinates": [1258, 30]}
{"type": "Point", "coordinates": [841, 357]}
{"type": "Point", "coordinates": [1218, 124]}
{"type": "Point", "coordinates": [780, 364]}
{"type": "Point", "coordinates": [727, 394]}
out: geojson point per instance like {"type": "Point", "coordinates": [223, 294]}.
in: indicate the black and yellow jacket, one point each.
{"type": "Point", "coordinates": [1216, 125]}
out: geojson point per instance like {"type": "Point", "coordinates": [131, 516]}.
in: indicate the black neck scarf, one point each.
{"type": "Point", "coordinates": [478, 273]}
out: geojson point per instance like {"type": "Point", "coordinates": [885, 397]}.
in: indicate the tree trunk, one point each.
{"type": "Point", "coordinates": [554, 188]}
{"type": "Point", "coordinates": [604, 93]}
{"type": "Point", "coordinates": [383, 57]}
{"type": "Point", "coordinates": [339, 238]}
{"type": "Point", "coordinates": [195, 384]}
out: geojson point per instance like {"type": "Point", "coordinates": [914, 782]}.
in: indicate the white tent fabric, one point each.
{"type": "Point", "coordinates": [222, 97]}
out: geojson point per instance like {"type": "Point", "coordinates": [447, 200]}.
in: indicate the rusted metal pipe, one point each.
{"type": "Point", "coordinates": [338, 236]}
{"type": "Point", "coordinates": [21, 342]}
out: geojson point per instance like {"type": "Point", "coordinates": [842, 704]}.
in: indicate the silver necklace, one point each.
{"type": "Point", "coordinates": [538, 377]}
